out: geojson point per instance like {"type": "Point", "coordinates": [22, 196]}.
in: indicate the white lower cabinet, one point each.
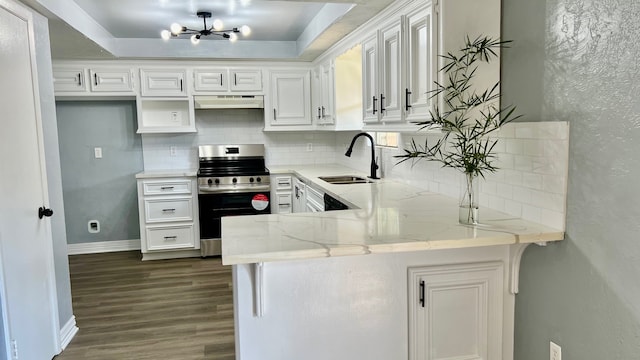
{"type": "Point", "coordinates": [169, 226]}
{"type": "Point", "coordinates": [456, 311]}
{"type": "Point", "coordinates": [281, 195]}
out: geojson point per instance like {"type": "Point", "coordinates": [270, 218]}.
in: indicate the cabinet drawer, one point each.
{"type": "Point", "coordinates": [283, 183]}
{"type": "Point", "coordinates": [161, 210]}
{"type": "Point", "coordinates": [170, 237]}
{"type": "Point", "coordinates": [167, 187]}
{"type": "Point", "coordinates": [284, 203]}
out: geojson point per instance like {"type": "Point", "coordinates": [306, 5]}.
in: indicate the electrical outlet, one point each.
{"type": "Point", "coordinates": [97, 152]}
{"type": "Point", "coordinates": [173, 151]}
{"type": "Point", "coordinates": [309, 146]}
{"type": "Point", "coordinates": [555, 351]}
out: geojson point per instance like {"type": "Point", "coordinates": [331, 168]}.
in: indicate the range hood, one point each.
{"type": "Point", "coordinates": [229, 102]}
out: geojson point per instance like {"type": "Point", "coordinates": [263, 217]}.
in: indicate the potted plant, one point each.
{"type": "Point", "coordinates": [466, 118]}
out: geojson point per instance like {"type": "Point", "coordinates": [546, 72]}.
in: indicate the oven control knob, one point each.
{"type": "Point", "coordinates": [250, 179]}
{"type": "Point", "coordinates": [258, 179]}
{"type": "Point", "coordinates": [234, 180]}
{"type": "Point", "coordinates": [209, 181]}
{"type": "Point", "coordinates": [217, 181]}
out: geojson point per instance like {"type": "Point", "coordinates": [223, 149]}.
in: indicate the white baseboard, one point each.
{"type": "Point", "coordinates": [103, 246]}
{"type": "Point", "coordinates": [68, 331]}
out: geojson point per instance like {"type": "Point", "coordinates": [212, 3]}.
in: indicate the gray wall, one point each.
{"type": "Point", "coordinates": [577, 60]}
{"type": "Point", "coordinates": [52, 160]}
{"type": "Point", "coordinates": [99, 189]}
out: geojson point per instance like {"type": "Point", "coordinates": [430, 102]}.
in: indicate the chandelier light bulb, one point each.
{"type": "Point", "coordinates": [233, 37]}
{"type": "Point", "coordinates": [195, 39]}
{"type": "Point", "coordinates": [218, 25]}
{"type": "Point", "coordinates": [245, 30]}
{"type": "Point", "coordinates": [165, 34]}
{"type": "Point", "coordinates": [176, 28]}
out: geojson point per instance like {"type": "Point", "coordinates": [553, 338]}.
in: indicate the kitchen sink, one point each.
{"type": "Point", "coordinates": [344, 179]}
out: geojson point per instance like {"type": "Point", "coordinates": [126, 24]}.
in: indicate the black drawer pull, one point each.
{"type": "Point", "coordinates": [168, 210]}
{"type": "Point", "coordinates": [170, 237]}
{"type": "Point", "coordinates": [422, 293]}
{"type": "Point", "coordinates": [374, 105]}
{"type": "Point", "coordinates": [406, 99]}
{"type": "Point", "coordinates": [166, 188]}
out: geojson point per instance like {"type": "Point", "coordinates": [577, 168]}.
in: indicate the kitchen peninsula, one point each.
{"type": "Point", "coordinates": [428, 287]}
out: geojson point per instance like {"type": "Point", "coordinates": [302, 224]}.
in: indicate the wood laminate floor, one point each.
{"type": "Point", "coordinates": [164, 309]}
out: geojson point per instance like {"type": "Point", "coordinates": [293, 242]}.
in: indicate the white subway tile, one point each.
{"type": "Point", "coordinates": [532, 181]}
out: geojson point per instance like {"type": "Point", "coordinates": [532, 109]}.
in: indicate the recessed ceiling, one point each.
{"type": "Point", "coordinates": [281, 29]}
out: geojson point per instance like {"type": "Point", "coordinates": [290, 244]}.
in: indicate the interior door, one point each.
{"type": "Point", "coordinates": [26, 254]}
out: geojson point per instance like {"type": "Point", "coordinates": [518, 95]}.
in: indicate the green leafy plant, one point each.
{"type": "Point", "coordinates": [468, 116]}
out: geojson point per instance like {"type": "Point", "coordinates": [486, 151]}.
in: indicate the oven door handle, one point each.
{"type": "Point", "coordinates": [213, 190]}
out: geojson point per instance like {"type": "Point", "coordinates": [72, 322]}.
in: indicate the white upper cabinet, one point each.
{"type": "Point", "coordinates": [390, 72]}
{"type": "Point", "coordinates": [382, 65]}
{"type": "Point", "coordinates": [324, 93]}
{"type": "Point", "coordinates": [370, 96]}
{"type": "Point", "coordinates": [420, 65]}
{"type": "Point", "coordinates": [222, 80]}
{"type": "Point", "coordinates": [111, 80]}
{"type": "Point", "coordinates": [245, 80]}
{"type": "Point", "coordinates": [163, 82]}
{"type": "Point", "coordinates": [290, 100]}
{"type": "Point", "coordinates": [83, 81]}
{"type": "Point", "coordinates": [66, 80]}
{"type": "Point", "coordinates": [210, 80]}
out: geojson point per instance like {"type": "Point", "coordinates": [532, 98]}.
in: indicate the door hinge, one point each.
{"type": "Point", "coordinates": [14, 350]}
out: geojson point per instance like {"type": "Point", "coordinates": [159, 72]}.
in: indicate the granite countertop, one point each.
{"type": "Point", "coordinates": [151, 174]}
{"type": "Point", "coordinates": [390, 217]}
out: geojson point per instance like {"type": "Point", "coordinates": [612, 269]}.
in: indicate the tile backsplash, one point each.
{"type": "Point", "coordinates": [532, 158]}
{"type": "Point", "coordinates": [531, 181]}
{"type": "Point", "coordinates": [238, 126]}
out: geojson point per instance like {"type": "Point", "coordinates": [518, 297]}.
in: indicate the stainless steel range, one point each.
{"type": "Point", "coordinates": [232, 180]}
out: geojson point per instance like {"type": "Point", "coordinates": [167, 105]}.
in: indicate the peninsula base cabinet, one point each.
{"type": "Point", "coordinates": [426, 305]}
{"type": "Point", "coordinates": [169, 225]}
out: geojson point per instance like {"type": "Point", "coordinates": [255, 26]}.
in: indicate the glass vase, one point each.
{"type": "Point", "coordinates": [469, 204]}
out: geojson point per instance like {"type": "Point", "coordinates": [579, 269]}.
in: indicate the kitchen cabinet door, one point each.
{"type": "Point", "coordinates": [456, 311]}
{"type": "Point", "coordinates": [210, 80]}
{"type": "Point", "coordinates": [290, 98]}
{"type": "Point", "coordinates": [69, 80]}
{"type": "Point", "coordinates": [370, 96]}
{"type": "Point", "coordinates": [163, 82]}
{"type": "Point", "coordinates": [245, 80]}
{"type": "Point", "coordinates": [111, 80]}
{"type": "Point", "coordinates": [421, 63]}
{"type": "Point", "coordinates": [327, 76]}
{"type": "Point", "coordinates": [390, 73]}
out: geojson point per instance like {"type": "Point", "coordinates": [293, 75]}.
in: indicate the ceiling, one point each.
{"type": "Point", "coordinates": [130, 29]}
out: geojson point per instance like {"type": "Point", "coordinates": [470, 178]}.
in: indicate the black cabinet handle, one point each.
{"type": "Point", "coordinates": [382, 109]}
{"type": "Point", "coordinates": [170, 237]}
{"type": "Point", "coordinates": [374, 104]}
{"type": "Point", "coordinates": [318, 112]}
{"type": "Point", "coordinates": [323, 115]}
{"type": "Point", "coordinates": [221, 78]}
{"type": "Point", "coordinates": [422, 293]}
{"type": "Point", "coordinates": [181, 85]}
{"type": "Point", "coordinates": [274, 113]}
{"type": "Point", "coordinates": [95, 78]}
{"type": "Point", "coordinates": [43, 211]}
{"type": "Point", "coordinates": [166, 188]}
{"type": "Point", "coordinates": [168, 210]}
{"type": "Point", "coordinates": [406, 99]}
{"type": "Point", "coordinates": [79, 79]}
{"type": "Point", "coordinates": [235, 79]}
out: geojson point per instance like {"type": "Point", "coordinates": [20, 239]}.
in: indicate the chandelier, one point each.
{"type": "Point", "coordinates": [216, 29]}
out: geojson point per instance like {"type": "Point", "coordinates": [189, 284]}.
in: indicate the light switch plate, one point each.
{"type": "Point", "coordinates": [97, 152]}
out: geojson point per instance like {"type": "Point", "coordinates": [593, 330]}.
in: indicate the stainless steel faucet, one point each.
{"type": "Point", "coordinates": [374, 166]}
